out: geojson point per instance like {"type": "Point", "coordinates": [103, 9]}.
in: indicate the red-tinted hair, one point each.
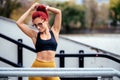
{"type": "Point", "coordinates": [40, 12]}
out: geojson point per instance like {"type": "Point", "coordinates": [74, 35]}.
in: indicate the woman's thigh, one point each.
{"type": "Point", "coordinates": [35, 78]}
{"type": "Point", "coordinates": [52, 78]}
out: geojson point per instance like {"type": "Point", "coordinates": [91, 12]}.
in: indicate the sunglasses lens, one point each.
{"type": "Point", "coordinates": [39, 24]}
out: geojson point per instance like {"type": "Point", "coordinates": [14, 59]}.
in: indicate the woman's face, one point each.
{"type": "Point", "coordinates": [40, 24]}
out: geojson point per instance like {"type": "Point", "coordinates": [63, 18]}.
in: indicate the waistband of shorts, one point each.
{"type": "Point", "coordinates": [44, 61]}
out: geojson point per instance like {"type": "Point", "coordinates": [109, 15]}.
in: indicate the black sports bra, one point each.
{"type": "Point", "coordinates": [49, 44]}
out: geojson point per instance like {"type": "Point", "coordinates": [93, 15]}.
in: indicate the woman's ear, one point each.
{"type": "Point", "coordinates": [47, 20]}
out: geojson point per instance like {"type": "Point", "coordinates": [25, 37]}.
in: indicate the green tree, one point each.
{"type": "Point", "coordinates": [72, 16]}
{"type": "Point", "coordinates": [7, 6]}
{"type": "Point", "coordinates": [115, 11]}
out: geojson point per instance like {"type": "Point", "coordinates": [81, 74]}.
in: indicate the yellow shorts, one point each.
{"type": "Point", "coordinates": [40, 64]}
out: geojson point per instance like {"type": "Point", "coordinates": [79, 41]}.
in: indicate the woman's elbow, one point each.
{"type": "Point", "coordinates": [18, 23]}
{"type": "Point", "coordinates": [59, 11]}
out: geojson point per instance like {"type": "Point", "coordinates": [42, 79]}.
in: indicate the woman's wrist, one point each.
{"type": "Point", "coordinates": [34, 6]}
{"type": "Point", "coordinates": [47, 7]}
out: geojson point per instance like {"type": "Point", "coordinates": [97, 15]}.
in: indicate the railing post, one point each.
{"type": "Point", "coordinates": [20, 53]}
{"type": "Point", "coordinates": [20, 56]}
{"type": "Point", "coordinates": [81, 59]}
{"type": "Point", "coordinates": [62, 59]}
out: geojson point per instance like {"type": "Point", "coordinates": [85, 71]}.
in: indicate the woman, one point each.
{"type": "Point", "coordinates": [46, 39]}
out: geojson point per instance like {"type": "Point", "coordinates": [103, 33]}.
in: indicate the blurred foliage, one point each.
{"type": "Point", "coordinates": [113, 3]}
{"type": "Point", "coordinates": [75, 17]}
{"type": "Point", "coordinates": [72, 16]}
{"type": "Point", "coordinates": [115, 11]}
{"type": "Point", "coordinates": [7, 6]}
{"type": "Point", "coordinates": [91, 11]}
{"type": "Point", "coordinates": [97, 15]}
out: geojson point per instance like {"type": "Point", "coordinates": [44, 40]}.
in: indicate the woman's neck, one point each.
{"type": "Point", "coordinates": [46, 32]}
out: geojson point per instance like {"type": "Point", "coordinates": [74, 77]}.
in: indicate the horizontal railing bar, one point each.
{"type": "Point", "coordinates": [61, 72]}
{"type": "Point", "coordinates": [91, 47]}
{"type": "Point", "coordinates": [56, 69]}
{"type": "Point", "coordinates": [88, 55]}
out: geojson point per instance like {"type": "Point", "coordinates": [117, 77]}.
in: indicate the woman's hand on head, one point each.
{"type": "Point", "coordinates": [35, 5]}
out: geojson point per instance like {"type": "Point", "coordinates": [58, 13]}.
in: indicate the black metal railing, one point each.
{"type": "Point", "coordinates": [61, 56]}
{"type": "Point", "coordinates": [9, 62]}
{"type": "Point", "coordinates": [62, 51]}
{"type": "Point", "coordinates": [17, 42]}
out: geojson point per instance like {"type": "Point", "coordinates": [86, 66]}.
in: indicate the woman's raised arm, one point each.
{"type": "Point", "coordinates": [20, 22]}
{"type": "Point", "coordinates": [58, 18]}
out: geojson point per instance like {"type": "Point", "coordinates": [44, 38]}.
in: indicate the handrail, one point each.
{"type": "Point", "coordinates": [16, 42]}
{"type": "Point", "coordinates": [61, 72]}
{"type": "Point", "coordinates": [91, 47]}
{"type": "Point", "coordinates": [9, 62]}
{"type": "Point", "coordinates": [61, 55]}
{"type": "Point", "coordinates": [89, 55]}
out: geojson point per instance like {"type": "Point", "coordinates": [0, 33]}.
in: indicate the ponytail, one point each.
{"type": "Point", "coordinates": [40, 12]}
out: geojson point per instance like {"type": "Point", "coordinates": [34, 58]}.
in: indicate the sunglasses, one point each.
{"type": "Point", "coordinates": [39, 24]}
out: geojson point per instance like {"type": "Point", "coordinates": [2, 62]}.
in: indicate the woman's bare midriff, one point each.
{"type": "Point", "coordinates": [46, 56]}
